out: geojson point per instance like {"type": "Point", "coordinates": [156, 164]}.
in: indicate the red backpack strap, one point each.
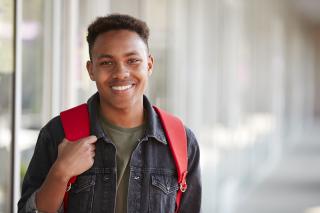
{"type": "Point", "coordinates": [176, 136]}
{"type": "Point", "coordinates": [76, 125]}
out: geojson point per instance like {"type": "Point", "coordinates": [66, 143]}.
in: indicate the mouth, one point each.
{"type": "Point", "coordinates": [122, 88]}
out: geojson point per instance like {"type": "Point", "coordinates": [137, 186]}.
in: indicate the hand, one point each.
{"type": "Point", "coordinates": [75, 158]}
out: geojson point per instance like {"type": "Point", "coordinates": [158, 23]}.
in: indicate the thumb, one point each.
{"type": "Point", "coordinates": [64, 142]}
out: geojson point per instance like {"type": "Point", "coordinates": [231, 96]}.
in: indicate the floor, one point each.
{"type": "Point", "coordinates": [294, 185]}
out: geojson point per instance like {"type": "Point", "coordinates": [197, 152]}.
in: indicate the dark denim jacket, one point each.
{"type": "Point", "coordinates": [153, 180]}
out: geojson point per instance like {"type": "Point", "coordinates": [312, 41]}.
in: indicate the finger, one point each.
{"type": "Point", "coordinates": [63, 143]}
{"type": "Point", "coordinates": [88, 140]}
{"type": "Point", "coordinates": [92, 147]}
{"type": "Point", "coordinates": [65, 140]}
{"type": "Point", "coordinates": [93, 154]}
{"type": "Point", "coordinates": [91, 139]}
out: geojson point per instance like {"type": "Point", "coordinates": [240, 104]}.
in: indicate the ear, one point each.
{"type": "Point", "coordinates": [90, 70]}
{"type": "Point", "coordinates": [150, 64]}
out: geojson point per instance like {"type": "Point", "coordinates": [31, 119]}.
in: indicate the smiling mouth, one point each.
{"type": "Point", "coordinates": [122, 88]}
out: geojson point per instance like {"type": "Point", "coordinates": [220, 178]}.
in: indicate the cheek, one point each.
{"type": "Point", "coordinates": [101, 74]}
{"type": "Point", "coordinates": [102, 86]}
{"type": "Point", "coordinates": [145, 79]}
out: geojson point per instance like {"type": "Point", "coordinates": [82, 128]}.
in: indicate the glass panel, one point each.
{"type": "Point", "coordinates": [32, 63]}
{"type": "Point", "coordinates": [6, 96]}
{"type": "Point", "coordinates": [33, 70]}
{"type": "Point", "coordinates": [88, 11]}
{"type": "Point", "coordinates": [157, 21]}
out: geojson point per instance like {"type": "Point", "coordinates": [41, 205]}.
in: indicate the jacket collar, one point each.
{"type": "Point", "coordinates": [153, 130]}
{"type": "Point", "coordinates": [154, 126]}
{"type": "Point", "coordinates": [93, 107]}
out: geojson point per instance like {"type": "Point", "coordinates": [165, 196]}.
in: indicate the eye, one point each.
{"type": "Point", "coordinates": [106, 63]}
{"type": "Point", "coordinates": [134, 61]}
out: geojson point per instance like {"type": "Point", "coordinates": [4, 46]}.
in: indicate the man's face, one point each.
{"type": "Point", "coordinates": [120, 67]}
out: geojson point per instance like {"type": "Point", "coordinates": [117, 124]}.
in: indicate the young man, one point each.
{"type": "Point", "coordinates": [126, 164]}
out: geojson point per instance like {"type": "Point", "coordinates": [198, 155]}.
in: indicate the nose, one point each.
{"type": "Point", "coordinates": [120, 72]}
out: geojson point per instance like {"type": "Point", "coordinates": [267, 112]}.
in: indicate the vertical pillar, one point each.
{"type": "Point", "coordinates": [16, 112]}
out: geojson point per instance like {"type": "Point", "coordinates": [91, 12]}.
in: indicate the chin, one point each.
{"type": "Point", "coordinates": [121, 104]}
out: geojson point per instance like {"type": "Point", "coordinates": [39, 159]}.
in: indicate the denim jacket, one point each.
{"type": "Point", "coordinates": [153, 178]}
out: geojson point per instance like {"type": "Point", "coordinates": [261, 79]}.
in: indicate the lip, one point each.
{"type": "Point", "coordinates": [122, 88]}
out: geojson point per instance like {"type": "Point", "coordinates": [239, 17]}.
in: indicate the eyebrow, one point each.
{"type": "Point", "coordinates": [131, 53]}
{"type": "Point", "coordinates": [110, 56]}
{"type": "Point", "coordinates": [104, 56]}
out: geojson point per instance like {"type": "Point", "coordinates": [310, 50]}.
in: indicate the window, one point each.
{"type": "Point", "coordinates": [6, 97]}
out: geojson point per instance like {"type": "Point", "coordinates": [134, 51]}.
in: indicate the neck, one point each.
{"type": "Point", "coordinates": [126, 117]}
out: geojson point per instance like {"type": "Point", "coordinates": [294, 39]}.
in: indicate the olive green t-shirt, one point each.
{"type": "Point", "coordinates": [125, 140]}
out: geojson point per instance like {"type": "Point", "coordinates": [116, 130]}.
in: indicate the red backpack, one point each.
{"type": "Point", "coordinates": [76, 125]}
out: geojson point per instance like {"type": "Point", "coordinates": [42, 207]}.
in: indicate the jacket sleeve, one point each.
{"type": "Point", "coordinates": [32, 207]}
{"type": "Point", "coordinates": [43, 157]}
{"type": "Point", "coordinates": [191, 198]}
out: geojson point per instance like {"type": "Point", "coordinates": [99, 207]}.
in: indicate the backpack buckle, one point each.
{"type": "Point", "coordinates": [69, 187]}
{"type": "Point", "coordinates": [183, 183]}
{"type": "Point", "coordinates": [183, 187]}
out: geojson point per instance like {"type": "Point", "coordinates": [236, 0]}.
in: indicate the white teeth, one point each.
{"type": "Point", "coordinates": [120, 88]}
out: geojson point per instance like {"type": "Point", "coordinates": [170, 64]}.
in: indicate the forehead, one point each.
{"type": "Point", "coordinates": [117, 42]}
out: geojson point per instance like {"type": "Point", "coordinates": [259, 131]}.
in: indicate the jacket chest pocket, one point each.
{"type": "Point", "coordinates": [162, 194]}
{"type": "Point", "coordinates": [81, 194]}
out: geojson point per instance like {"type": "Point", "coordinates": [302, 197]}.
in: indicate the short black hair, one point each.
{"type": "Point", "coordinates": [116, 22]}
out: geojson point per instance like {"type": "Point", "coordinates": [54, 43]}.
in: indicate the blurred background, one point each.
{"type": "Point", "coordinates": [243, 74]}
